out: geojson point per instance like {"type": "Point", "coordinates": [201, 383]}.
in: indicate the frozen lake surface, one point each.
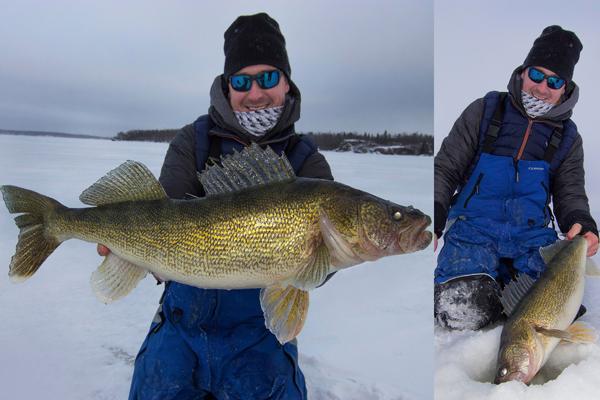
{"type": "Point", "coordinates": [369, 329]}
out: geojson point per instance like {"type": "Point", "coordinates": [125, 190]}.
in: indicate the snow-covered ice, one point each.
{"type": "Point", "coordinates": [465, 362]}
{"type": "Point", "coordinates": [369, 330]}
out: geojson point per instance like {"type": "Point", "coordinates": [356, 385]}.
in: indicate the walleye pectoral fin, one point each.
{"type": "Point", "coordinates": [591, 268]}
{"type": "Point", "coordinates": [582, 333]}
{"type": "Point", "coordinates": [285, 311]}
{"type": "Point", "coordinates": [514, 291]}
{"type": "Point", "coordinates": [577, 332]}
{"type": "Point", "coordinates": [315, 272]}
{"type": "Point", "coordinates": [556, 333]}
{"type": "Point", "coordinates": [550, 251]}
{"type": "Point", "coordinates": [130, 181]}
{"type": "Point", "coordinates": [251, 167]}
{"type": "Point", "coordinates": [340, 251]}
{"type": "Point", "coordinates": [115, 278]}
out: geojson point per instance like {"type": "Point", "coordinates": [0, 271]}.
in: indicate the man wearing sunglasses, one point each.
{"type": "Point", "coordinates": [506, 158]}
{"type": "Point", "coordinates": [207, 344]}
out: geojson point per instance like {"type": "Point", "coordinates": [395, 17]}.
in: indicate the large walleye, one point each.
{"type": "Point", "coordinates": [541, 313]}
{"type": "Point", "coordinates": [258, 227]}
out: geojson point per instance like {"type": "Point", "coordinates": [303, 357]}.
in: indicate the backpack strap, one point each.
{"type": "Point", "coordinates": [494, 127]}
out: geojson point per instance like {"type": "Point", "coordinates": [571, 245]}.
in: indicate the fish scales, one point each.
{"type": "Point", "coordinates": [543, 305]}
{"type": "Point", "coordinates": [262, 233]}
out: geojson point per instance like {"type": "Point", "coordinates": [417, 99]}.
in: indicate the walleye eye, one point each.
{"type": "Point", "coordinates": [397, 216]}
{"type": "Point", "coordinates": [503, 372]}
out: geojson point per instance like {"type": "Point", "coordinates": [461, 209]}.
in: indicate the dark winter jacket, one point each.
{"type": "Point", "coordinates": [178, 174]}
{"type": "Point", "coordinates": [460, 149]}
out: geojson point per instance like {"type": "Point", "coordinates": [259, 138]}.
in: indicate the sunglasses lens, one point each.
{"type": "Point", "coordinates": [268, 79]}
{"type": "Point", "coordinates": [554, 82]}
{"type": "Point", "coordinates": [536, 75]}
{"type": "Point", "coordinates": [241, 83]}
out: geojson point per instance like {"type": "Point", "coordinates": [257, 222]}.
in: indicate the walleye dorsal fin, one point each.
{"type": "Point", "coordinates": [316, 271]}
{"type": "Point", "coordinates": [130, 181]}
{"type": "Point", "coordinates": [550, 251]}
{"type": "Point", "coordinates": [285, 311]}
{"type": "Point", "coordinates": [251, 167]}
{"type": "Point", "coordinates": [514, 291]}
{"type": "Point", "coordinates": [115, 278]}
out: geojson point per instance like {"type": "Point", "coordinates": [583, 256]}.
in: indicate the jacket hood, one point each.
{"type": "Point", "coordinates": [221, 113]}
{"type": "Point", "coordinates": [560, 112]}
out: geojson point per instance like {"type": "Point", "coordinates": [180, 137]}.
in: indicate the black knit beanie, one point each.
{"type": "Point", "coordinates": [254, 39]}
{"type": "Point", "coordinates": [557, 50]}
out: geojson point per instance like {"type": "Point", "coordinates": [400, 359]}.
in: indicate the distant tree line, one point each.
{"type": "Point", "coordinates": [419, 143]}
{"type": "Point", "coordinates": [333, 140]}
{"type": "Point", "coordinates": [148, 135]}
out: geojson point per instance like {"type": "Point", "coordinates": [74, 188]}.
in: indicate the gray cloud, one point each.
{"type": "Point", "coordinates": [102, 67]}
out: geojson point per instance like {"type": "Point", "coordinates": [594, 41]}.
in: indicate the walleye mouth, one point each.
{"type": "Point", "coordinates": [416, 238]}
{"type": "Point", "coordinates": [513, 376]}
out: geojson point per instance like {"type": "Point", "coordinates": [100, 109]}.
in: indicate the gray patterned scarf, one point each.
{"type": "Point", "coordinates": [259, 122]}
{"type": "Point", "coordinates": [534, 107]}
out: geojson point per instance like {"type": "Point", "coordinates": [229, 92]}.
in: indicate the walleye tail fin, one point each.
{"type": "Point", "coordinates": [285, 311]}
{"type": "Point", "coordinates": [34, 244]}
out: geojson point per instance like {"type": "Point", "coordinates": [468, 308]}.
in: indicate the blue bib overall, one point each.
{"type": "Point", "coordinates": [502, 211]}
{"type": "Point", "coordinates": [206, 344]}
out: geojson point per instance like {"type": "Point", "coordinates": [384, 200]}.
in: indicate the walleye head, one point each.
{"type": "Point", "coordinates": [515, 363]}
{"type": "Point", "coordinates": [389, 229]}
{"type": "Point", "coordinates": [366, 228]}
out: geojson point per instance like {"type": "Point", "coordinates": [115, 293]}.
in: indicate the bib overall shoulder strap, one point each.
{"type": "Point", "coordinates": [495, 124]}
{"type": "Point", "coordinates": [554, 143]}
{"type": "Point", "coordinates": [298, 149]}
{"type": "Point", "coordinates": [203, 143]}
{"type": "Point", "coordinates": [214, 150]}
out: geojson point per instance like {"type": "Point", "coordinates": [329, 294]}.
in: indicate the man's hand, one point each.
{"type": "Point", "coordinates": [102, 250]}
{"type": "Point", "coordinates": [591, 238]}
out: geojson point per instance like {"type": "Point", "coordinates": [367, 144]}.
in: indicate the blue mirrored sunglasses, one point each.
{"type": "Point", "coordinates": [265, 80]}
{"type": "Point", "coordinates": [553, 82]}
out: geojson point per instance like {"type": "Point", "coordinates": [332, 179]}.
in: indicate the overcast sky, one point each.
{"type": "Point", "coordinates": [99, 67]}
